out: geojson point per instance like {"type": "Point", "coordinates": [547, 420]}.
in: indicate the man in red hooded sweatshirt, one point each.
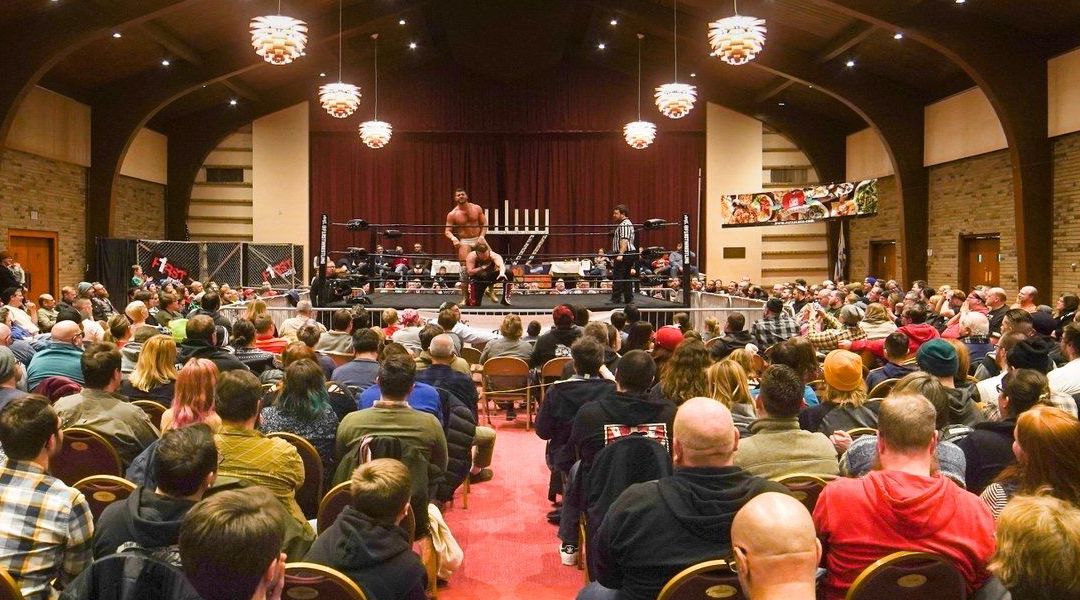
{"type": "Point", "coordinates": [915, 328]}
{"type": "Point", "coordinates": [902, 506]}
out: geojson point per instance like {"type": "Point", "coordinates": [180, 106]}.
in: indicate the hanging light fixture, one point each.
{"type": "Point", "coordinates": [676, 100]}
{"type": "Point", "coordinates": [277, 38]}
{"type": "Point", "coordinates": [639, 134]}
{"type": "Point", "coordinates": [376, 133]}
{"type": "Point", "coordinates": [737, 39]}
{"type": "Point", "coordinates": [339, 99]}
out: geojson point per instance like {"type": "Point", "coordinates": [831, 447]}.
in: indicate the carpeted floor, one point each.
{"type": "Point", "coordinates": [511, 551]}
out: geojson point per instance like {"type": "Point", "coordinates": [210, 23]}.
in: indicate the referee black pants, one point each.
{"type": "Point", "coordinates": [622, 287]}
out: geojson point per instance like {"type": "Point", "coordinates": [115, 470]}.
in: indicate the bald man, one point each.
{"type": "Point", "coordinates": [656, 529]}
{"type": "Point", "coordinates": [61, 358]}
{"type": "Point", "coordinates": [776, 549]}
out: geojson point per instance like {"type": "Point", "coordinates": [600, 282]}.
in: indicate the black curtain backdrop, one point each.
{"type": "Point", "coordinates": [115, 257]}
{"type": "Point", "coordinates": [554, 142]}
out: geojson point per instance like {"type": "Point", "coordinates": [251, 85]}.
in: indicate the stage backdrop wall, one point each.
{"type": "Point", "coordinates": [552, 142]}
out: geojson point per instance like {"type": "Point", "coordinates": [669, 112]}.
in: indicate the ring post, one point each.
{"type": "Point", "coordinates": [686, 259]}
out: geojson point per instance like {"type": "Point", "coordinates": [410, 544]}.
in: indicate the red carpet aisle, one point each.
{"type": "Point", "coordinates": [511, 552]}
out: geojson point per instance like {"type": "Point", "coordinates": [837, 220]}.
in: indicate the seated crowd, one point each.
{"type": "Point", "coordinates": [940, 421]}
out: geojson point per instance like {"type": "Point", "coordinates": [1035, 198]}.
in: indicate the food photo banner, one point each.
{"type": "Point", "coordinates": [802, 205]}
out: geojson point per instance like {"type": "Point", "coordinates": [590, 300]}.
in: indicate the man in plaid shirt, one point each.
{"type": "Point", "coordinates": [847, 328]}
{"type": "Point", "coordinates": [46, 528]}
{"type": "Point", "coordinates": [775, 326]}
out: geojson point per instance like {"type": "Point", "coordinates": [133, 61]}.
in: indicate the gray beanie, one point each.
{"type": "Point", "coordinates": [84, 287]}
{"type": "Point", "coordinates": [8, 363]}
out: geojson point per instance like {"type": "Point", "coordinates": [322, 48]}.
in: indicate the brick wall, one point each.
{"type": "Point", "coordinates": [57, 191]}
{"type": "Point", "coordinates": [138, 210]}
{"type": "Point", "coordinates": [971, 196]}
{"type": "Point", "coordinates": [885, 225]}
{"type": "Point", "coordinates": [1066, 215]}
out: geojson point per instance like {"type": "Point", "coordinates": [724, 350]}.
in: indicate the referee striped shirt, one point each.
{"type": "Point", "coordinates": [623, 231]}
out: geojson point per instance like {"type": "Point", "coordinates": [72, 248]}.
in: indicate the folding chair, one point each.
{"type": "Point", "coordinates": [332, 504]}
{"type": "Point", "coordinates": [909, 576]}
{"type": "Point", "coordinates": [312, 581]}
{"type": "Point", "coordinates": [858, 432]}
{"type": "Point", "coordinates": [9, 590]}
{"type": "Point", "coordinates": [310, 492]}
{"type": "Point", "coordinates": [102, 490]}
{"type": "Point", "coordinates": [84, 453]}
{"type": "Point", "coordinates": [153, 409]}
{"type": "Point", "coordinates": [551, 372]}
{"type": "Point", "coordinates": [882, 389]}
{"type": "Point", "coordinates": [508, 373]}
{"type": "Point", "coordinates": [709, 579]}
{"type": "Point", "coordinates": [805, 488]}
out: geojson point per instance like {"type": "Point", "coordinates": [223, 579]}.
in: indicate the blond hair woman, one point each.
{"type": "Point", "coordinates": [726, 382]}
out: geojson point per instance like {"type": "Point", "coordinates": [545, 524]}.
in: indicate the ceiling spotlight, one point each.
{"type": "Point", "coordinates": [232, 102]}
{"type": "Point", "coordinates": [613, 22]}
{"type": "Point", "coordinates": [412, 45]}
{"type": "Point", "coordinates": [898, 36]}
{"type": "Point", "coordinates": [165, 62]}
{"type": "Point", "coordinates": [322, 74]}
{"type": "Point", "coordinates": [850, 63]}
{"type": "Point", "coordinates": [401, 22]}
{"type": "Point", "coordinates": [693, 74]}
{"type": "Point", "coordinates": [601, 45]}
{"type": "Point", "coordinates": [117, 35]}
{"type": "Point", "coordinates": [959, 1]}
{"type": "Point", "coordinates": [781, 104]}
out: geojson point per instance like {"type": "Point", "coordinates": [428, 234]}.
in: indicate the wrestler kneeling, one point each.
{"type": "Point", "coordinates": [485, 268]}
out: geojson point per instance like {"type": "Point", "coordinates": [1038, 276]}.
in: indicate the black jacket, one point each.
{"type": "Point", "coordinates": [730, 342]}
{"type": "Point", "coordinates": [130, 577]}
{"type": "Point", "coordinates": [552, 343]}
{"type": "Point", "coordinates": [225, 360]}
{"type": "Point", "coordinates": [656, 529]}
{"type": "Point", "coordinates": [987, 450]}
{"type": "Point", "coordinates": [7, 278]}
{"type": "Point", "coordinates": [962, 408]}
{"type": "Point", "coordinates": [555, 419]}
{"type": "Point", "coordinates": [460, 429]}
{"type": "Point", "coordinates": [588, 437]}
{"type": "Point", "coordinates": [145, 518]}
{"type": "Point", "coordinates": [378, 557]}
{"type": "Point", "coordinates": [256, 360]}
{"type": "Point", "coordinates": [828, 417]}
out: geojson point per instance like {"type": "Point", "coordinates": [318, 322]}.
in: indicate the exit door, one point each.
{"type": "Point", "coordinates": [883, 259]}
{"type": "Point", "coordinates": [36, 252]}
{"type": "Point", "coordinates": [980, 261]}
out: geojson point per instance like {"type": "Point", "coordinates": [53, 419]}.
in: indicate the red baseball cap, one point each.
{"type": "Point", "coordinates": [668, 337]}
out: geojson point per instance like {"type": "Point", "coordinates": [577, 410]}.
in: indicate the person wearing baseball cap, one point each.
{"type": "Point", "coordinates": [844, 404]}
{"type": "Point", "coordinates": [11, 371]}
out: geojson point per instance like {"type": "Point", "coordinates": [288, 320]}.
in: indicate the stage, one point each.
{"type": "Point", "coordinates": [531, 303]}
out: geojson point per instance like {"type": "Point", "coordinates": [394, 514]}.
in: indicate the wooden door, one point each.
{"type": "Point", "coordinates": [883, 259]}
{"type": "Point", "coordinates": [36, 252]}
{"type": "Point", "coordinates": [979, 264]}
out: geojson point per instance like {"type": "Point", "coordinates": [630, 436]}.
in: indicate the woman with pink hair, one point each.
{"type": "Point", "coordinates": [194, 399]}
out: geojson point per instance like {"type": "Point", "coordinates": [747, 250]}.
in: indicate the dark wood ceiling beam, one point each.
{"type": "Point", "coordinates": [847, 40]}
{"type": "Point", "coordinates": [179, 49]}
{"type": "Point", "coordinates": [38, 44]}
{"type": "Point", "coordinates": [1010, 68]}
{"type": "Point", "coordinates": [122, 108]}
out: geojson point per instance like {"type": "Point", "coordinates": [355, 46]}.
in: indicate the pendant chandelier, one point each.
{"type": "Point", "coordinates": [376, 133]}
{"type": "Point", "coordinates": [277, 38]}
{"type": "Point", "coordinates": [737, 39]}
{"type": "Point", "coordinates": [339, 99]}
{"type": "Point", "coordinates": [639, 134]}
{"type": "Point", "coordinates": [676, 100]}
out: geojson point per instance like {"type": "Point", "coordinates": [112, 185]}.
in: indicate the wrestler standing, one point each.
{"type": "Point", "coordinates": [466, 225]}
{"type": "Point", "coordinates": [485, 268]}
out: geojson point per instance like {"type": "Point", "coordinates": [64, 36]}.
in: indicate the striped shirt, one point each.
{"type": "Point", "coordinates": [46, 529]}
{"type": "Point", "coordinates": [623, 231]}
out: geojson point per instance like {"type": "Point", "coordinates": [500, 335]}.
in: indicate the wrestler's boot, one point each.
{"type": "Point", "coordinates": [471, 297]}
{"type": "Point", "coordinates": [466, 291]}
{"type": "Point", "coordinates": [508, 288]}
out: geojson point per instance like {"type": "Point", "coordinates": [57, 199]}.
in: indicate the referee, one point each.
{"type": "Point", "coordinates": [622, 243]}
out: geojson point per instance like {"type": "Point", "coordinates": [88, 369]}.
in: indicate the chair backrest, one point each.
{"type": "Point", "coordinates": [882, 389]}
{"type": "Point", "coordinates": [56, 387]}
{"type": "Point", "coordinates": [311, 581]}
{"type": "Point", "coordinates": [909, 576]}
{"type": "Point", "coordinates": [818, 385]}
{"type": "Point", "coordinates": [332, 504]}
{"type": "Point", "coordinates": [553, 369]}
{"type": "Point", "coordinates": [9, 590]}
{"type": "Point", "coordinates": [709, 579]}
{"type": "Point", "coordinates": [103, 490]}
{"type": "Point", "coordinates": [84, 453]}
{"type": "Point", "coordinates": [505, 373]}
{"type": "Point", "coordinates": [858, 432]}
{"type": "Point", "coordinates": [333, 387]}
{"type": "Point", "coordinates": [153, 409]}
{"type": "Point", "coordinates": [310, 492]}
{"type": "Point", "coordinates": [471, 355]}
{"type": "Point", "coordinates": [804, 487]}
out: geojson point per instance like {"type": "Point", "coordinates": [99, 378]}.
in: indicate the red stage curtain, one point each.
{"type": "Point", "coordinates": [536, 148]}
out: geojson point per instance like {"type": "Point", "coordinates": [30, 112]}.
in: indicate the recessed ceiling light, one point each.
{"type": "Point", "coordinates": [693, 74]}
{"type": "Point", "coordinates": [412, 45]}
{"type": "Point", "coordinates": [810, 86]}
{"type": "Point", "coordinates": [232, 102]}
{"type": "Point", "coordinates": [613, 22]}
{"type": "Point", "coordinates": [898, 36]}
{"type": "Point", "coordinates": [401, 22]}
{"type": "Point", "coordinates": [165, 62]}
{"type": "Point", "coordinates": [322, 74]}
{"type": "Point", "coordinates": [601, 45]}
{"type": "Point", "coordinates": [959, 1]}
{"type": "Point", "coordinates": [117, 35]}
{"type": "Point", "coordinates": [781, 104]}
{"type": "Point", "coordinates": [850, 63]}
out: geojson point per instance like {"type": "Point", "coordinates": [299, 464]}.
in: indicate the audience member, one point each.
{"type": "Point", "coordinates": [798, 354]}
{"type": "Point", "coordinates": [46, 313]}
{"type": "Point", "coordinates": [244, 347]}
{"type": "Point", "coordinates": [727, 383]}
{"type": "Point", "coordinates": [169, 309]}
{"type": "Point", "coordinates": [209, 306]}
{"type": "Point", "coordinates": [154, 377]}
{"type": "Point", "coordinates": [774, 326]}
{"type": "Point", "coordinates": [102, 306]}
{"type": "Point", "coordinates": [92, 330]}
{"type": "Point", "coordinates": [903, 505]}
{"type": "Point", "coordinates": [683, 376]}
{"type": "Point", "coordinates": [250, 456]}
{"type": "Point", "coordinates": [360, 373]}
{"type": "Point", "coordinates": [876, 323]}
{"type": "Point", "coordinates": [915, 328]}
{"type": "Point", "coordinates": [45, 526]}
{"type": "Point", "coordinates": [61, 358]}
{"type": "Point", "coordinates": [656, 529]}
{"type": "Point", "coordinates": [844, 404]}
{"type": "Point", "coordinates": [556, 341]}
{"type": "Point", "coordinates": [11, 373]}
{"type": "Point", "coordinates": [1038, 542]}
{"type": "Point", "coordinates": [302, 407]}
{"type": "Point", "coordinates": [423, 360]}
{"type": "Point", "coordinates": [897, 364]}
{"type": "Point", "coordinates": [776, 549]}
{"type": "Point", "coordinates": [98, 408]}
{"type": "Point", "coordinates": [939, 358]}
{"type": "Point", "coordinates": [265, 339]}
{"type": "Point", "coordinates": [510, 342]}
{"type": "Point", "coordinates": [337, 342]}
{"type": "Point", "coordinates": [778, 446]}
{"type": "Point", "coordinates": [408, 334]}
{"type": "Point", "coordinates": [305, 315]}
{"type": "Point", "coordinates": [231, 545]}
{"type": "Point", "coordinates": [12, 298]}
{"type": "Point", "coordinates": [148, 521]}
{"type": "Point", "coordinates": [1066, 379]}
{"type": "Point", "coordinates": [846, 327]}
{"type": "Point", "coordinates": [367, 542]}
{"type": "Point", "coordinates": [202, 342]}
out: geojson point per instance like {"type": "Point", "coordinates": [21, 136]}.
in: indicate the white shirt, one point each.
{"type": "Point", "coordinates": [20, 317]}
{"type": "Point", "coordinates": [92, 331]}
{"type": "Point", "coordinates": [1066, 379]}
